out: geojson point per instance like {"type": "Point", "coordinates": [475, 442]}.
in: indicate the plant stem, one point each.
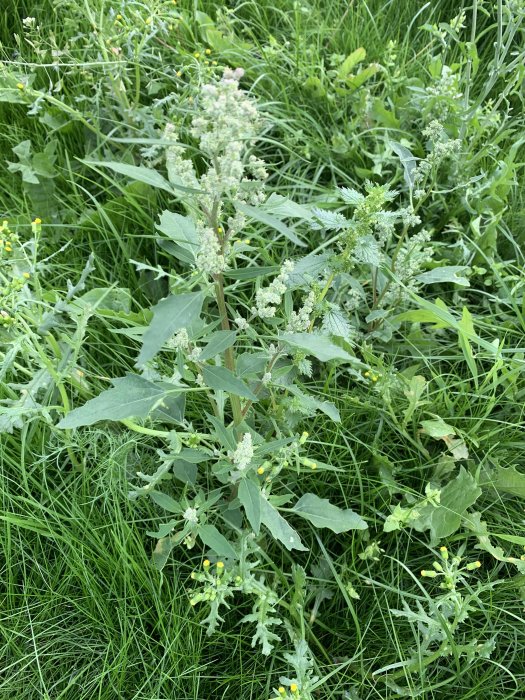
{"type": "Point", "coordinates": [229, 357]}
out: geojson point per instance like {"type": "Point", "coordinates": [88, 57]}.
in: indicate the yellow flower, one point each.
{"type": "Point", "coordinates": [26, 275]}
{"type": "Point", "coordinates": [37, 221]}
{"type": "Point", "coordinates": [20, 86]}
{"type": "Point", "coordinates": [260, 470]}
{"type": "Point", "coordinates": [149, 20]}
{"type": "Point", "coordinates": [179, 73]}
{"type": "Point", "coordinates": [206, 563]}
{"type": "Point", "coordinates": [281, 690]}
{"type": "Point", "coordinates": [197, 54]}
{"type": "Point", "coordinates": [207, 52]}
{"type": "Point", "coordinates": [220, 565]}
{"type": "Point", "coordinates": [294, 687]}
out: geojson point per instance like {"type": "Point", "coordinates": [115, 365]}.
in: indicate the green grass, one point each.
{"type": "Point", "coordinates": [83, 614]}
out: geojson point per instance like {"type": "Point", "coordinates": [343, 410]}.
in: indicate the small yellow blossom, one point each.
{"type": "Point", "coordinates": [207, 52]}
{"type": "Point", "coordinates": [214, 63]}
{"type": "Point", "coordinates": [26, 275]}
{"type": "Point", "coordinates": [294, 687]}
{"type": "Point", "coordinates": [149, 20]}
{"type": "Point", "coordinates": [281, 690]}
{"type": "Point", "coordinates": [37, 221]}
{"type": "Point", "coordinates": [220, 565]}
{"type": "Point", "coordinates": [197, 54]}
{"type": "Point", "coordinates": [20, 86]}
{"type": "Point", "coordinates": [179, 73]}
{"type": "Point", "coordinates": [260, 470]}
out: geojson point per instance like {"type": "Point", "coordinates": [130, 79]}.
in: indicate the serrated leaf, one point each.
{"type": "Point", "coordinates": [336, 323]}
{"type": "Point", "coordinates": [223, 379]}
{"type": "Point", "coordinates": [169, 315]}
{"type": "Point", "coordinates": [321, 513]}
{"type": "Point", "coordinates": [213, 539]}
{"type": "Point", "coordinates": [217, 343]}
{"type": "Point", "coordinates": [331, 220]}
{"type": "Point", "coordinates": [351, 196]}
{"type": "Point", "coordinates": [279, 527]}
{"type": "Point", "coordinates": [319, 346]}
{"type": "Point", "coordinates": [250, 498]}
{"type": "Point", "coordinates": [130, 397]}
{"type": "Point", "coordinates": [458, 495]}
{"type": "Point", "coordinates": [367, 251]}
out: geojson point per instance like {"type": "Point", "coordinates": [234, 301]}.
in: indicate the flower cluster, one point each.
{"type": "Point", "coordinates": [243, 455]}
{"type": "Point", "coordinates": [267, 299]}
{"type": "Point", "coordinates": [225, 124]}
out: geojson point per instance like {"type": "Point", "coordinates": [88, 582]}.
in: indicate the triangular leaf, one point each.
{"type": "Point", "coordinates": [130, 397]}
{"type": "Point", "coordinates": [321, 513]}
{"type": "Point", "coordinates": [169, 315]}
{"type": "Point", "coordinates": [279, 527]}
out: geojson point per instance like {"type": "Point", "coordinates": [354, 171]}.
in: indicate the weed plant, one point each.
{"type": "Point", "coordinates": [261, 329]}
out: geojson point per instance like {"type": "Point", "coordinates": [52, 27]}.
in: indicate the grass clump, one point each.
{"type": "Point", "coordinates": [261, 320]}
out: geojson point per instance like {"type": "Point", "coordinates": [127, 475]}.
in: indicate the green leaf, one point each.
{"type": "Point", "coordinates": [458, 495]}
{"type": "Point", "coordinates": [217, 343]}
{"type": "Point", "coordinates": [408, 161]}
{"type": "Point", "coordinates": [169, 315]}
{"type": "Point", "coordinates": [279, 527]}
{"type": "Point", "coordinates": [273, 222]}
{"type": "Point", "coordinates": [181, 230]}
{"type": "Point", "coordinates": [213, 539]}
{"type": "Point", "coordinates": [171, 410]}
{"type": "Point", "coordinates": [509, 481]}
{"type": "Point", "coordinates": [355, 81]}
{"type": "Point", "coordinates": [327, 407]}
{"type": "Point", "coordinates": [320, 346]}
{"type": "Point", "coordinates": [185, 471]}
{"type": "Point", "coordinates": [140, 174]}
{"type": "Point", "coordinates": [437, 428]}
{"type": "Point", "coordinates": [321, 513]}
{"type": "Point", "coordinates": [223, 379]}
{"type": "Point", "coordinates": [250, 497]}
{"type": "Point", "coordinates": [465, 332]}
{"type": "Point", "coordinates": [130, 397]}
{"type": "Point", "coordinates": [162, 551]}
{"type": "Point", "coordinates": [283, 208]}
{"type": "Point", "coordinates": [350, 62]}
{"type": "Point", "coordinates": [447, 273]}
{"type": "Point", "coordinates": [166, 502]}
